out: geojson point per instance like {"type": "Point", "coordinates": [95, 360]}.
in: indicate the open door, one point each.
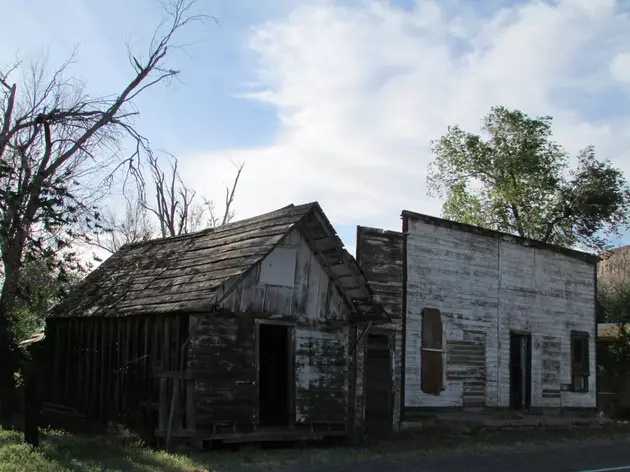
{"type": "Point", "coordinates": [275, 374]}
{"type": "Point", "coordinates": [378, 383]}
{"type": "Point", "coordinates": [520, 371]}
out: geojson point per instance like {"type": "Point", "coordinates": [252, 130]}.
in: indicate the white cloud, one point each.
{"type": "Point", "coordinates": [360, 92]}
{"type": "Point", "coordinates": [620, 68]}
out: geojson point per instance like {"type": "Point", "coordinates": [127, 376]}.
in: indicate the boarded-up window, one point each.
{"type": "Point", "coordinates": [432, 352]}
{"type": "Point", "coordinates": [278, 268]}
{"type": "Point", "coordinates": [579, 361]}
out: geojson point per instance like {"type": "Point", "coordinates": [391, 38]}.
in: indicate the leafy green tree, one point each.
{"type": "Point", "coordinates": [516, 179]}
{"type": "Point", "coordinates": [614, 359]}
{"type": "Point", "coordinates": [44, 281]}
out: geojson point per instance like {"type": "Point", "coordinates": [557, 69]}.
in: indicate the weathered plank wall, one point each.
{"type": "Point", "coordinates": [106, 368]}
{"type": "Point", "coordinates": [380, 255]}
{"type": "Point", "coordinates": [289, 285]}
{"type": "Point", "coordinates": [486, 287]}
{"type": "Point", "coordinates": [222, 363]}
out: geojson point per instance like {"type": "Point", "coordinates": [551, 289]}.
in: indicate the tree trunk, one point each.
{"type": "Point", "coordinates": [9, 352]}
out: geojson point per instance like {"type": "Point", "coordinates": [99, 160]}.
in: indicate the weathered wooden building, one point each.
{"type": "Point", "coordinates": [244, 332]}
{"type": "Point", "coordinates": [482, 320]}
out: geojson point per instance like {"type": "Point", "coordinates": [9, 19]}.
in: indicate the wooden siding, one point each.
{"type": "Point", "coordinates": [223, 353]}
{"type": "Point", "coordinates": [485, 288]}
{"type": "Point", "coordinates": [380, 256]}
{"type": "Point", "coordinates": [106, 369]}
{"type": "Point", "coordinates": [222, 362]}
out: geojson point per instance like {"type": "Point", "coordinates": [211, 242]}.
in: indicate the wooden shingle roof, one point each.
{"type": "Point", "coordinates": [193, 272]}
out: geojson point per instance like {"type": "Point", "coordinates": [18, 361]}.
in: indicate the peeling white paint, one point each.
{"type": "Point", "coordinates": [493, 286]}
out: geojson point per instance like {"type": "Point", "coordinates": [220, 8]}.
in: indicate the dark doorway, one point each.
{"type": "Point", "coordinates": [520, 371]}
{"type": "Point", "coordinates": [274, 374]}
{"type": "Point", "coordinates": [378, 383]}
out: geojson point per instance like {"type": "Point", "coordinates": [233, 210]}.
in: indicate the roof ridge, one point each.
{"type": "Point", "coordinates": [205, 231]}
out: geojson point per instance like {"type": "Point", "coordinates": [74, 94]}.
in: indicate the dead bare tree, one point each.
{"type": "Point", "coordinates": [174, 202]}
{"type": "Point", "coordinates": [52, 134]}
{"type": "Point", "coordinates": [228, 214]}
{"type": "Point", "coordinates": [176, 209]}
{"type": "Point", "coordinates": [115, 231]}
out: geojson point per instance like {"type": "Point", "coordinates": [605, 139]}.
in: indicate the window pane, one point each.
{"type": "Point", "coordinates": [432, 368]}
{"type": "Point", "coordinates": [580, 361]}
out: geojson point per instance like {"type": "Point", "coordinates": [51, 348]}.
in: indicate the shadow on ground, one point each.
{"type": "Point", "coordinates": [62, 452]}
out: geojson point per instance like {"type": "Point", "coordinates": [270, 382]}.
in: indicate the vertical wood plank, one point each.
{"type": "Point", "coordinates": [127, 367]}
{"type": "Point", "coordinates": [57, 373]}
{"type": "Point", "coordinates": [104, 322]}
{"type": "Point", "coordinates": [118, 366]}
{"type": "Point", "coordinates": [176, 351]}
{"type": "Point", "coordinates": [190, 404]}
{"type": "Point", "coordinates": [155, 357]}
{"type": "Point", "coordinates": [145, 361]}
{"type": "Point", "coordinates": [163, 408]}
{"type": "Point", "coordinates": [68, 360]}
{"type": "Point", "coordinates": [109, 342]}
{"type": "Point", "coordinates": [135, 356]}
{"type": "Point", "coordinates": [166, 359]}
{"type": "Point", "coordinates": [96, 336]}
{"type": "Point", "coordinates": [87, 365]}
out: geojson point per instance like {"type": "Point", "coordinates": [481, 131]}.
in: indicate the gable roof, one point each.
{"type": "Point", "coordinates": [194, 272]}
{"type": "Point", "coordinates": [490, 233]}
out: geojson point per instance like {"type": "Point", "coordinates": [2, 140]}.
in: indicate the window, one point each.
{"type": "Point", "coordinates": [433, 352]}
{"type": "Point", "coordinates": [579, 361]}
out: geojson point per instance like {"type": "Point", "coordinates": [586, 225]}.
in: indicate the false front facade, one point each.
{"type": "Point", "coordinates": [486, 320]}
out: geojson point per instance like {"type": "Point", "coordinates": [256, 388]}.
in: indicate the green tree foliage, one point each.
{"type": "Point", "coordinates": [43, 282]}
{"type": "Point", "coordinates": [614, 360]}
{"type": "Point", "coordinates": [516, 179]}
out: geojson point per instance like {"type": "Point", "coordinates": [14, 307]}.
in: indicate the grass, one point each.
{"type": "Point", "coordinates": [60, 451]}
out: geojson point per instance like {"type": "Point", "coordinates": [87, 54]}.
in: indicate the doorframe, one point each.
{"type": "Point", "coordinates": [391, 339]}
{"type": "Point", "coordinates": [290, 325]}
{"type": "Point", "coordinates": [527, 401]}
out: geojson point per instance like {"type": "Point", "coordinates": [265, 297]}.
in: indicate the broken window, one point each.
{"type": "Point", "coordinates": [579, 361]}
{"type": "Point", "coordinates": [433, 352]}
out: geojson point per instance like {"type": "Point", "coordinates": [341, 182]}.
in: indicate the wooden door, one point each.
{"type": "Point", "coordinates": [378, 382]}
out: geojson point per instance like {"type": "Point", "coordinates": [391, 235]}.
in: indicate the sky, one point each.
{"type": "Point", "coordinates": [338, 101]}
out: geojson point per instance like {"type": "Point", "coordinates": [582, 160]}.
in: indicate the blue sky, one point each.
{"type": "Point", "coordinates": [337, 101]}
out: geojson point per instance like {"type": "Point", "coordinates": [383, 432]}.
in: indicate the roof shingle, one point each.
{"type": "Point", "coordinates": [181, 273]}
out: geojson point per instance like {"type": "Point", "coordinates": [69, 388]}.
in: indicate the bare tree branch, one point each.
{"type": "Point", "coordinates": [59, 149]}
{"type": "Point", "coordinates": [229, 194]}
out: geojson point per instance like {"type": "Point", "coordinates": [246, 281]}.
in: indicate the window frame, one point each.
{"type": "Point", "coordinates": [580, 369]}
{"type": "Point", "coordinates": [424, 388]}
